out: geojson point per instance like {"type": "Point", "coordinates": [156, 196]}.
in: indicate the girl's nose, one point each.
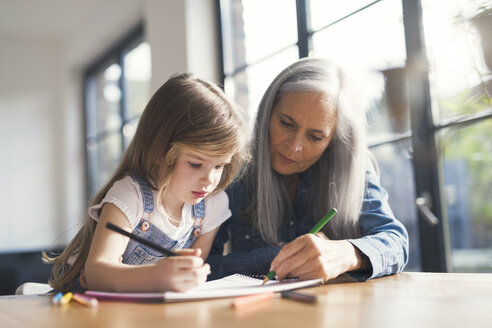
{"type": "Point", "coordinates": [208, 177]}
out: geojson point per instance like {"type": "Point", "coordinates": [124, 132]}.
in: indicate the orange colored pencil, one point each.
{"type": "Point", "coordinates": [85, 300]}
{"type": "Point", "coordinates": [243, 301]}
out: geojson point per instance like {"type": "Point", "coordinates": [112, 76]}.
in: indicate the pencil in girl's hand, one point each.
{"type": "Point", "coordinates": [141, 240]}
{"type": "Point", "coordinates": [313, 230]}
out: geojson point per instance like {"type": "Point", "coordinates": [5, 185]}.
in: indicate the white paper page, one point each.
{"type": "Point", "coordinates": [237, 285]}
{"type": "Point", "coordinates": [230, 286]}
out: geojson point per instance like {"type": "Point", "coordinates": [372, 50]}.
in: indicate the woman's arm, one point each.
{"type": "Point", "coordinates": [250, 260]}
{"type": "Point", "coordinates": [382, 249]}
{"type": "Point", "coordinates": [384, 239]}
{"type": "Point", "coordinates": [315, 256]}
{"type": "Point", "coordinates": [104, 270]}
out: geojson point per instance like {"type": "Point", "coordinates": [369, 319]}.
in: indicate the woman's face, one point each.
{"type": "Point", "coordinates": [301, 128]}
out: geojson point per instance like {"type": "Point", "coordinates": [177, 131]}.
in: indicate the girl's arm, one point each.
{"type": "Point", "coordinates": [104, 270]}
{"type": "Point", "coordinates": [205, 241]}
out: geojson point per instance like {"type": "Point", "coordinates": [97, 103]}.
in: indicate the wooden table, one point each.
{"type": "Point", "coordinates": [403, 300]}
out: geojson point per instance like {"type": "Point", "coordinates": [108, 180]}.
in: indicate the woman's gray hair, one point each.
{"type": "Point", "coordinates": [337, 179]}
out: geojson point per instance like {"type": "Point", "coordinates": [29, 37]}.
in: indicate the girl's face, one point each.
{"type": "Point", "coordinates": [194, 177]}
{"type": "Point", "coordinates": [301, 127]}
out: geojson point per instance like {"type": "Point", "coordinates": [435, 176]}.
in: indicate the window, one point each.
{"type": "Point", "coordinates": [381, 42]}
{"type": "Point", "coordinates": [462, 91]}
{"type": "Point", "coordinates": [256, 49]}
{"type": "Point", "coordinates": [117, 88]}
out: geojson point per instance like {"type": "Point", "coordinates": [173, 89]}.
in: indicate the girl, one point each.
{"type": "Point", "coordinates": [189, 146]}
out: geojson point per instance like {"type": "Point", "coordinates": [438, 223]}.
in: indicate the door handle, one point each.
{"type": "Point", "coordinates": [424, 204]}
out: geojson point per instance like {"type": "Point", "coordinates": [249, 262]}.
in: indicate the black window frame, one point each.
{"type": "Point", "coordinates": [117, 54]}
{"type": "Point", "coordinates": [423, 133]}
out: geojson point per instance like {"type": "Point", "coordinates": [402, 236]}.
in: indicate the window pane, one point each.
{"type": "Point", "coordinates": [247, 87]}
{"type": "Point", "coordinates": [254, 29]}
{"type": "Point", "coordinates": [457, 68]}
{"type": "Point", "coordinates": [137, 80]}
{"type": "Point", "coordinates": [103, 158]}
{"type": "Point", "coordinates": [324, 12]}
{"type": "Point", "coordinates": [467, 156]}
{"type": "Point", "coordinates": [396, 169]}
{"type": "Point", "coordinates": [129, 130]}
{"type": "Point", "coordinates": [106, 109]}
{"type": "Point", "coordinates": [264, 36]}
{"type": "Point", "coordinates": [367, 43]}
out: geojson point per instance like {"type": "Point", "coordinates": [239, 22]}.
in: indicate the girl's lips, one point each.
{"type": "Point", "coordinates": [285, 159]}
{"type": "Point", "coordinates": [199, 194]}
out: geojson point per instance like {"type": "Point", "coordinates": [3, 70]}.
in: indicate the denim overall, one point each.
{"type": "Point", "coordinates": [138, 254]}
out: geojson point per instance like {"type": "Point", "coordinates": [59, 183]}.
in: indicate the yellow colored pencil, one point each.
{"type": "Point", "coordinates": [66, 298]}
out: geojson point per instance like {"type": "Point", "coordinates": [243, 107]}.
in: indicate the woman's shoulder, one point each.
{"type": "Point", "coordinates": [236, 189]}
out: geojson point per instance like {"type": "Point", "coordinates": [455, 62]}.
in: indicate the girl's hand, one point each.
{"type": "Point", "coordinates": [315, 256]}
{"type": "Point", "coordinates": [180, 273]}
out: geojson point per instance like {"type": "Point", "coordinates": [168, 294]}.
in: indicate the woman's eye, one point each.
{"type": "Point", "coordinates": [287, 124]}
{"type": "Point", "coordinates": [315, 138]}
{"type": "Point", "coordinates": [218, 167]}
{"type": "Point", "coordinates": [195, 165]}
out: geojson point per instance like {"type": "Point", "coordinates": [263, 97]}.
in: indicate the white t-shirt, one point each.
{"type": "Point", "coordinates": [127, 196]}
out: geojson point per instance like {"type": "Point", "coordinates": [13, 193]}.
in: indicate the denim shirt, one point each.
{"type": "Point", "coordinates": [384, 239]}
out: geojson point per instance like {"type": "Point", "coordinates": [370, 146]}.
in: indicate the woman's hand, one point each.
{"type": "Point", "coordinates": [180, 273]}
{"type": "Point", "coordinates": [315, 256]}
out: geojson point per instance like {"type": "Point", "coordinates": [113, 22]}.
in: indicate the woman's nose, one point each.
{"type": "Point", "coordinates": [296, 144]}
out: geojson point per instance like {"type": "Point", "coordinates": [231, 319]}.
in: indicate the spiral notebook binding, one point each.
{"type": "Point", "coordinates": [256, 276]}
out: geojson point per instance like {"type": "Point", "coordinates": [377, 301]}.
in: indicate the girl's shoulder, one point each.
{"type": "Point", "coordinates": [124, 194]}
{"type": "Point", "coordinates": [216, 211]}
{"type": "Point", "coordinates": [125, 184]}
{"type": "Point", "coordinates": [217, 200]}
{"type": "Point", "coordinates": [127, 191]}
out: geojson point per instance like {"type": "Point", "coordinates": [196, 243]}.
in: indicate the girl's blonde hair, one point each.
{"type": "Point", "coordinates": [186, 113]}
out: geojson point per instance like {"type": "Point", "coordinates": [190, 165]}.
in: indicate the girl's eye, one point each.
{"type": "Point", "coordinates": [287, 124]}
{"type": "Point", "coordinates": [195, 165]}
{"type": "Point", "coordinates": [218, 167]}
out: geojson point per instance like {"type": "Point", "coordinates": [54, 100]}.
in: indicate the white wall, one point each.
{"type": "Point", "coordinates": [29, 109]}
{"type": "Point", "coordinates": [182, 35]}
{"type": "Point", "coordinates": [42, 169]}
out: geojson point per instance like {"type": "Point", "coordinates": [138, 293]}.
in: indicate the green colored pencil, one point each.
{"type": "Point", "coordinates": [321, 223]}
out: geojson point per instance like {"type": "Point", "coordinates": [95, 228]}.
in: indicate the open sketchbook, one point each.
{"type": "Point", "coordinates": [230, 286]}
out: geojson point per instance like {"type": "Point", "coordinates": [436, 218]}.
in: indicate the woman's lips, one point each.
{"type": "Point", "coordinates": [199, 194]}
{"type": "Point", "coordinates": [285, 159]}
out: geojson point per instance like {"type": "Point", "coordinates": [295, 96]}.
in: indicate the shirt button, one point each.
{"type": "Point", "coordinates": [291, 223]}
{"type": "Point", "coordinates": [145, 226]}
{"type": "Point", "coordinates": [246, 237]}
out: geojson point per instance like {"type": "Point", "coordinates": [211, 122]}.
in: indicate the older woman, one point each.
{"type": "Point", "coordinates": [310, 155]}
